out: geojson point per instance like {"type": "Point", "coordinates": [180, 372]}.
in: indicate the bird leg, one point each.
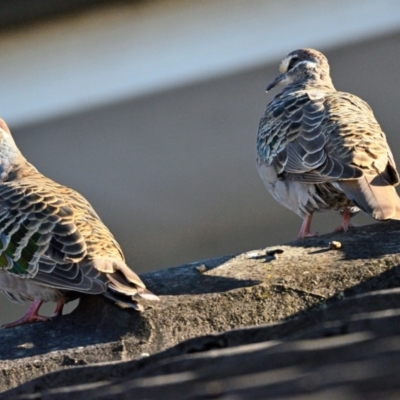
{"type": "Point", "coordinates": [59, 307]}
{"type": "Point", "coordinates": [30, 316]}
{"type": "Point", "coordinates": [305, 228]}
{"type": "Point", "coordinates": [346, 224]}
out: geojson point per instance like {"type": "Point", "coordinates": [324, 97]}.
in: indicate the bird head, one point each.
{"type": "Point", "coordinates": [303, 65]}
{"type": "Point", "coordinates": [11, 158]}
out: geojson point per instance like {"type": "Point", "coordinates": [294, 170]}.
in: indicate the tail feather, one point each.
{"type": "Point", "coordinates": [147, 295]}
{"type": "Point", "coordinates": [373, 195]}
{"type": "Point", "coordinates": [123, 286]}
{"type": "Point", "coordinates": [122, 301]}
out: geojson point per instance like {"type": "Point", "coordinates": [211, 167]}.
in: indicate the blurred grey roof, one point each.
{"type": "Point", "coordinates": [16, 13]}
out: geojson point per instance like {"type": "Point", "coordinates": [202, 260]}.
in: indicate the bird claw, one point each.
{"type": "Point", "coordinates": [305, 235]}
{"type": "Point", "coordinates": [30, 316]}
{"type": "Point", "coordinates": [26, 319]}
{"type": "Point", "coordinates": [345, 228]}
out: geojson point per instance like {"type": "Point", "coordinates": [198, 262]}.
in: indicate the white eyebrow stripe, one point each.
{"type": "Point", "coordinates": [284, 64]}
{"type": "Point", "coordinates": [309, 64]}
{"type": "Point", "coordinates": [286, 61]}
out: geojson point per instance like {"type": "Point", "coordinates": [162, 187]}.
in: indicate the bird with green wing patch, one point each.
{"type": "Point", "coordinates": [53, 245]}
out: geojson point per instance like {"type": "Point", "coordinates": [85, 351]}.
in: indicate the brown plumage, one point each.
{"type": "Point", "coordinates": [320, 149]}
{"type": "Point", "coordinates": [53, 245]}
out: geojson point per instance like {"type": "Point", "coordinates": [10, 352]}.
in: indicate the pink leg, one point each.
{"type": "Point", "coordinates": [305, 228]}
{"type": "Point", "coordinates": [59, 307]}
{"type": "Point", "coordinates": [346, 224]}
{"type": "Point", "coordinates": [30, 316]}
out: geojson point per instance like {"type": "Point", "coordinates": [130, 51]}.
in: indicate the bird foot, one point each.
{"type": "Point", "coordinates": [304, 235]}
{"type": "Point", "coordinates": [346, 224]}
{"type": "Point", "coordinates": [305, 228]}
{"type": "Point", "coordinates": [59, 308]}
{"type": "Point", "coordinates": [345, 227]}
{"type": "Point", "coordinates": [26, 319]}
{"type": "Point", "coordinates": [30, 316]}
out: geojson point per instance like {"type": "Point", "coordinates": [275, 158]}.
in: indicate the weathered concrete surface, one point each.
{"type": "Point", "coordinates": [348, 356]}
{"type": "Point", "coordinates": [304, 280]}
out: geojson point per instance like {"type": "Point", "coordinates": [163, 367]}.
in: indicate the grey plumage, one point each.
{"type": "Point", "coordinates": [53, 245]}
{"type": "Point", "coordinates": [319, 149]}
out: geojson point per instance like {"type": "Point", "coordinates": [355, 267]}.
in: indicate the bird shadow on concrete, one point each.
{"type": "Point", "coordinates": [195, 278]}
{"type": "Point", "coordinates": [95, 321]}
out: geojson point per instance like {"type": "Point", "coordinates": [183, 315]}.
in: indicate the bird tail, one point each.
{"type": "Point", "coordinates": [124, 287]}
{"type": "Point", "coordinates": [374, 195]}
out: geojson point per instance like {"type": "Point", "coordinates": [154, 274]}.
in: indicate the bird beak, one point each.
{"type": "Point", "coordinates": [280, 79]}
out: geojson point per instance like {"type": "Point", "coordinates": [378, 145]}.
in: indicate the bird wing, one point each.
{"type": "Point", "coordinates": [356, 138]}
{"type": "Point", "coordinates": [40, 238]}
{"type": "Point", "coordinates": [293, 138]}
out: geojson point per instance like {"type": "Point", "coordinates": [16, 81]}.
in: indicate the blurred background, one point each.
{"type": "Point", "coordinates": [150, 109]}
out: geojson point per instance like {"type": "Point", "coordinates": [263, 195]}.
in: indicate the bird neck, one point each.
{"type": "Point", "coordinates": [311, 84]}
{"type": "Point", "coordinates": [11, 159]}
{"type": "Point", "coordinates": [18, 171]}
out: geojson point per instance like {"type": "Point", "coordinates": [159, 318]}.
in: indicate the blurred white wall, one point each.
{"type": "Point", "coordinates": [121, 51]}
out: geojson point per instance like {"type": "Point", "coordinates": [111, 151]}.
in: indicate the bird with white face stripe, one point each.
{"type": "Point", "coordinates": [319, 149]}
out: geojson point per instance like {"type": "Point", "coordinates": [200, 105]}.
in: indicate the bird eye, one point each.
{"type": "Point", "coordinates": [292, 62]}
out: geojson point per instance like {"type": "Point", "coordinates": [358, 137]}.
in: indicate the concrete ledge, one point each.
{"type": "Point", "coordinates": [319, 292]}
